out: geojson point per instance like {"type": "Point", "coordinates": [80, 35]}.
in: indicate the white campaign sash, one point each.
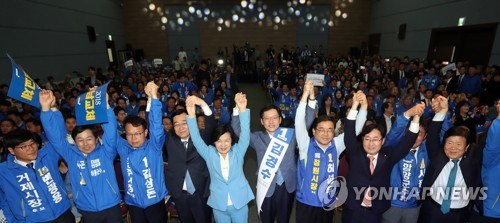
{"type": "Point", "coordinates": [271, 162]}
{"type": "Point", "coordinates": [2, 217]}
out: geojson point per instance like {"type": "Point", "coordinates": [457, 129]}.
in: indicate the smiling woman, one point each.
{"type": "Point", "coordinates": [229, 189]}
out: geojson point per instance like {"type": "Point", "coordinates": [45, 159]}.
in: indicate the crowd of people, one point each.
{"type": "Point", "coordinates": [182, 130]}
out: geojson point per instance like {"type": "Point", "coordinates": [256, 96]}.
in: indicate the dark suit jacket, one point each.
{"type": "Point", "coordinates": [180, 160]}
{"type": "Point", "coordinates": [359, 169]}
{"type": "Point", "coordinates": [380, 120]}
{"type": "Point", "coordinates": [470, 165]}
{"type": "Point", "coordinates": [395, 76]}
{"type": "Point", "coordinates": [260, 140]}
{"type": "Point", "coordinates": [452, 85]}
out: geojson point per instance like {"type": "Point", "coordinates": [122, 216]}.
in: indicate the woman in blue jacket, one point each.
{"type": "Point", "coordinates": [229, 189]}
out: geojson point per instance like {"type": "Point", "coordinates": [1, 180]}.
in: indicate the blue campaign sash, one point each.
{"type": "Point", "coordinates": [271, 161]}
{"type": "Point", "coordinates": [22, 87]}
{"type": "Point", "coordinates": [91, 106]}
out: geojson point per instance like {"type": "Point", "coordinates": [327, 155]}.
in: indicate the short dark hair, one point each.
{"type": "Point", "coordinates": [117, 110]}
{"type": "Point", "coordinates": [34, 121]}
{"type": "Point", "coordinates": [179, 112]}
{"type": "Point", "coordinates": [69, 117]}
{"type": "Point", "coordinates": [120, 98]}
{"type": "Point", "coordinates": [269, 107]}
{"type": "Point", "coordinates": [18, 136]}
{"type": "Point", "coordinates": [9, 121]}
{"type": "Point", "coordinates": [322, 118]}
{"type": "Point", "coordinates": [80, 128]}
{"type": "Point", "coordinates": [221, 130]}
{"type": "Point", "coordinates": [369, 128]}
{"type": "Point", "coordinates": [135, 121]}
{"type": "Point", "coordinates": [385, 105]}
{"type": "Point", "coordinates": [132, 98]}
{"type": "Point", "coordinates": [459, 131]}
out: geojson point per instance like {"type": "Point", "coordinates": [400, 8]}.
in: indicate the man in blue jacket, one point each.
{"type": "Point", "coordinates": [90, 163]}
{"type": "Point", "coordinates": [142, 163]}
{"type": "Point", "coordinates": [407, 175]}
{"type": "Point", "coordinates": [31, 188]}
{"type": "Point", "coordinates": [490, 170]}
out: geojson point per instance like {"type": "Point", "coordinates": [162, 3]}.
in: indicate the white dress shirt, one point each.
{"type": "Point", "coordinates": [460, 194]}
{"type": "Point", "coordinates": [224, 166]}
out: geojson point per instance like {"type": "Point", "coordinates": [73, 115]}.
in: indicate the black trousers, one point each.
{"type": "Point", "coordinates": [110, 215]}
{"type": "Point", "coordinates": [478, 218]}
{"type": "Point", "coordinates": [155, 213]}
{"type": "Point", "coordinates": [307, 213]}
{"type": "Point", "coordinates": [361, 214]}
{"type": "Point", "coordinates": [279, 206]}
{"type": "Point", "coordinates": [193, 208]}
{"type": "Point", "coordinates": [431, 213]}
{"type": "Point", "coordinates": [66, 217]}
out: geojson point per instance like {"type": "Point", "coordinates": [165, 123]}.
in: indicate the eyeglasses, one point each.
{"type": "Point", "coordinates": [323, 131]}
{"type": "Point", "coordinates": [374, 141]}
{"type": "Point", "coordinates": [25, 147]}
{"type": "Point", "coordinates": [135, 135]}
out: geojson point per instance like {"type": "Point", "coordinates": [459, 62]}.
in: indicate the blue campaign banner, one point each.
{"type": "Point", "coordinates": [91, 107]}
{"type": "Point", "coordinates": [22, 87]}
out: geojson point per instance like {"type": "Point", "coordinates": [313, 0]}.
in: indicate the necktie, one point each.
{"type": "Point", "coordinates": [189, 183]}
{"type": "Point", "coordinates": [445, 206]}
{"type": "Point", "coordinates": [367, 200]}
{"type": "Point", "coordinates": [401, 75]}
{"type": "Point", "coordinates": [30, 166]}
{"type": "Point", "coordinates": [279, 178]}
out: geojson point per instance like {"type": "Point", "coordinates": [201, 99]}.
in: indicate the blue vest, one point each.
{"type": "Point", "coordinates": [406, 178]}
{"type": "Point", "coordinates": [313, 170]}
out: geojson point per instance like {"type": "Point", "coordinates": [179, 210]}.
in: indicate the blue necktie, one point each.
{"type": "Point", "coordinates": [279, 178]}
{"type": "Point", "coordinates": [189, 183]}
{"type": "Point", "coordinates": [30, 166]}
{"type": "Point", "coordinates": [445, 206]}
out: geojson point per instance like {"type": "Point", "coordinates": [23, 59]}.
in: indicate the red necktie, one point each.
{"type": "Point", "coordinates": [367, 198]}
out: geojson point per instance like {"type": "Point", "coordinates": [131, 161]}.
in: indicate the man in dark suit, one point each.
{"type": "Point", "coordinates": [92, 79]}
{"type": "Point", "coordinates": [231, 79]}
{"type": "Point", "coordinates": [202, 74]}
{"type": "Point", "coordinates": [387, 118]}
{"type": "Point", "coordinates": [373, 164]}
{"type": "Point", "coordinates": [279, 196]}
{"type": "Point", "coordinates": [399, 76]}
{"type": "Point", "coordinates": [451, 172]}
{"type": "Point", "coordinates": [187, 176]}
{"type": "Point", "coordinates": [450, 81]}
